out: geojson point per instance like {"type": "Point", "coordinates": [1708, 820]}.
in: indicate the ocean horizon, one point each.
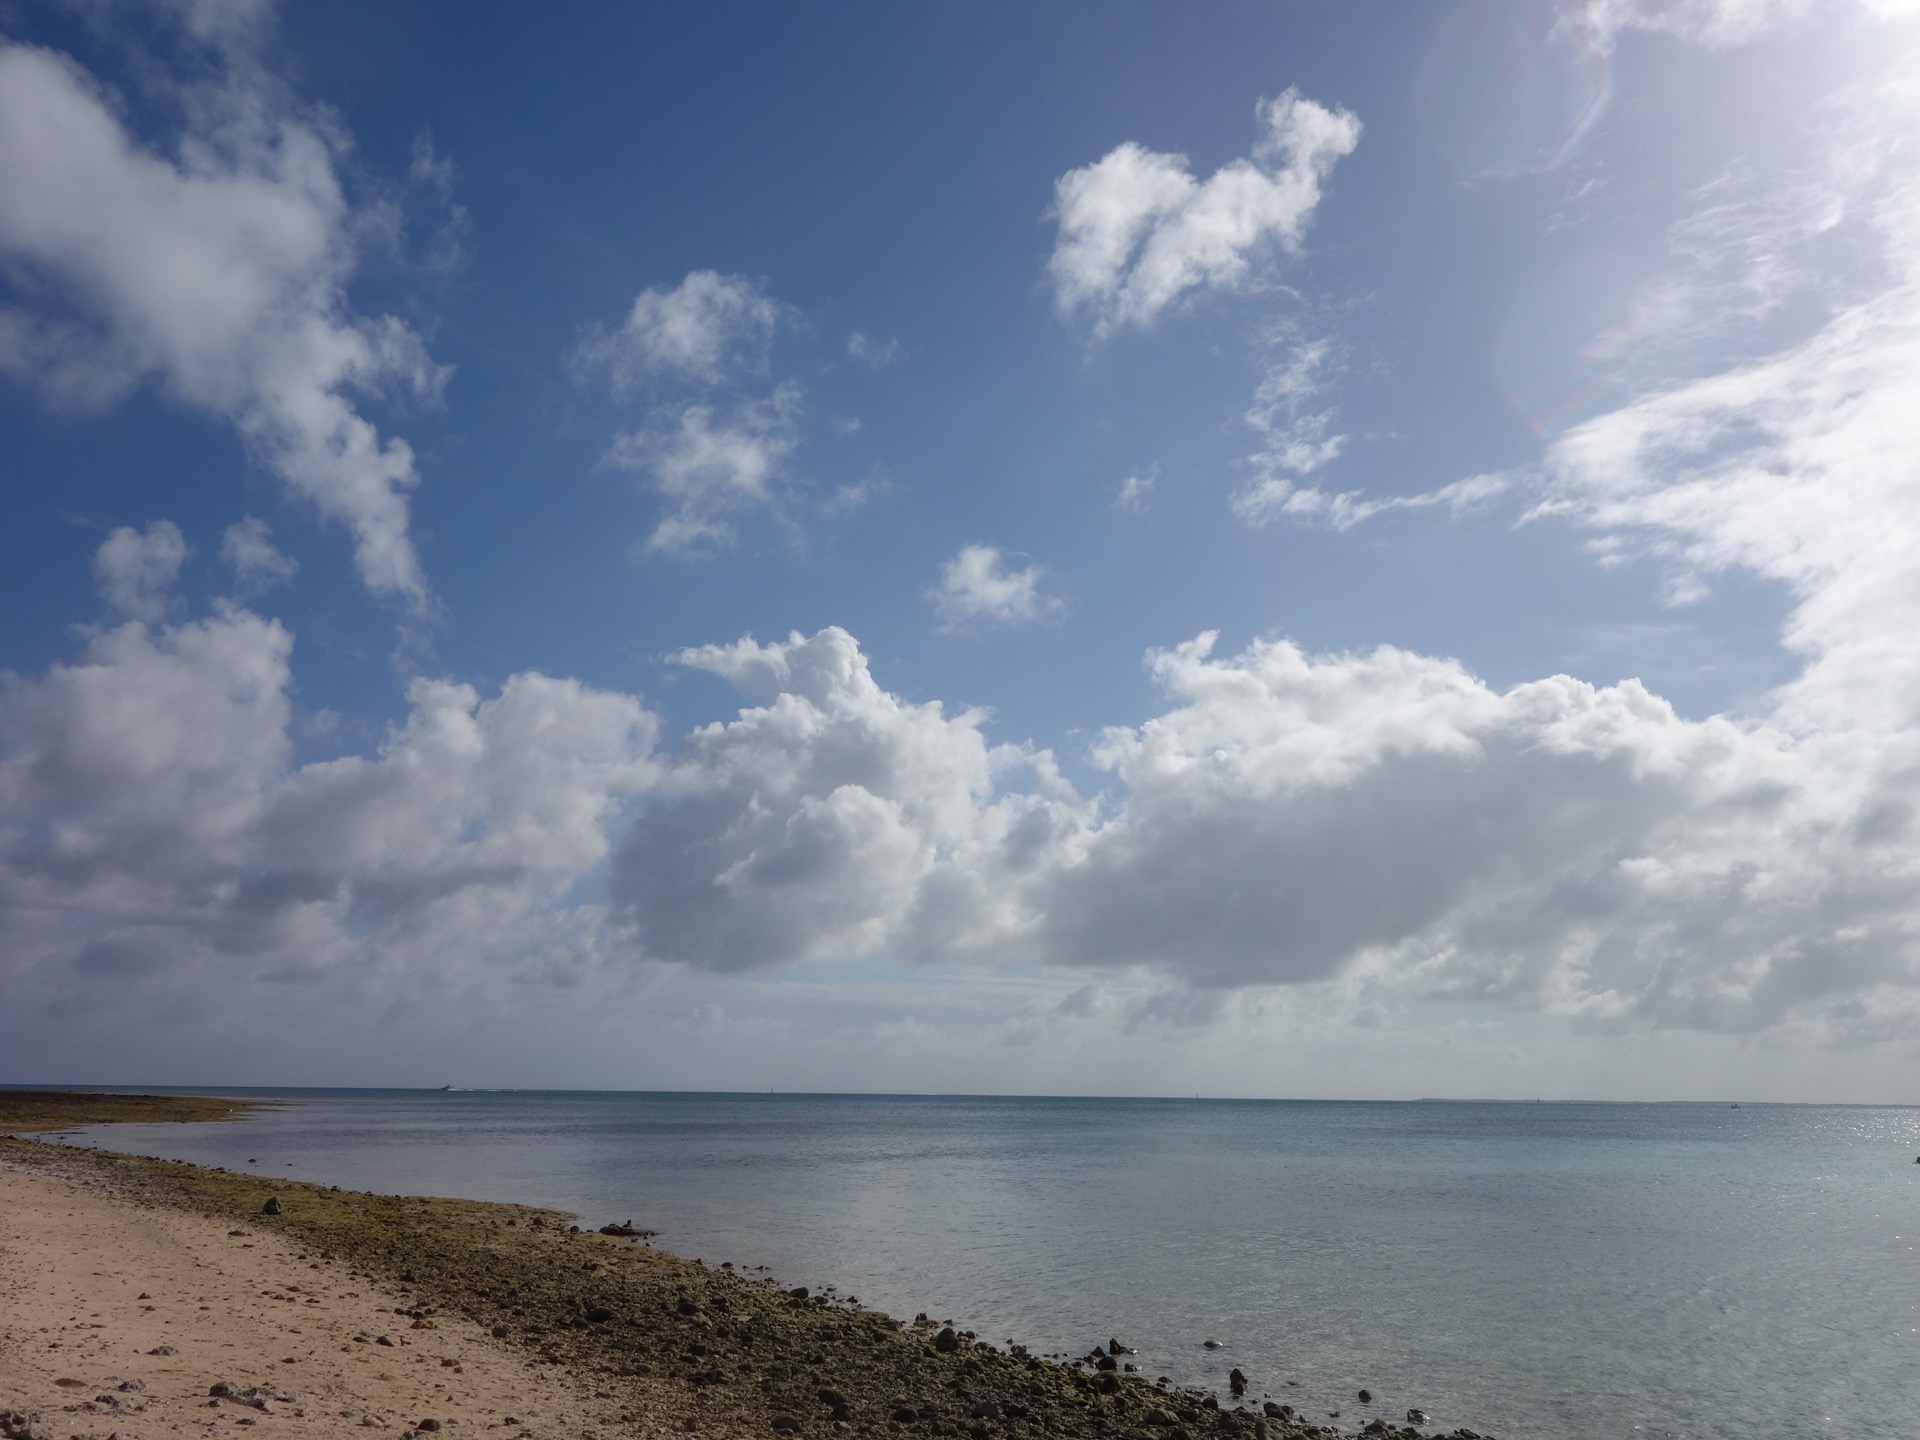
{"type": "Point", "coordinates": [1523, 1268]}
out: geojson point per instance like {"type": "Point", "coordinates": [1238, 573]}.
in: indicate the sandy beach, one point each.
{"type": "Point", "coordinates": [117, 1319]}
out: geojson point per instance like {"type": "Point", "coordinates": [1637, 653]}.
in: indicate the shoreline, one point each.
{"type": "Point", "coordinates": [671, 1344]}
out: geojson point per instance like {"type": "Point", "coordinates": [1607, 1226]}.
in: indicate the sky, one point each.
{"type": "Point", "coordinates": [1270, 549]}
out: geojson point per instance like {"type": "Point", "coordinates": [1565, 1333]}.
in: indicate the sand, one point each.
{"type": "Point", "coordinates": [91, 1287]}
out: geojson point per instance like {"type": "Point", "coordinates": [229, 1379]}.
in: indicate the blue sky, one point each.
{"type": "Point", "coordinates": [425, 430]}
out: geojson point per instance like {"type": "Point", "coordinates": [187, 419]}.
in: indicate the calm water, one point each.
{"type": "Point", "coordinates": [1529, 1270]}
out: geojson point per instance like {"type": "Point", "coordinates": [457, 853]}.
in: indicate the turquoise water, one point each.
{"type": "Point", "coordinates": [1551, 1270]}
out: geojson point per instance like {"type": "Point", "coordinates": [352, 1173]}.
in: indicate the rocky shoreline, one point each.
{"type": "Point", "coordinates": [680, 1344]}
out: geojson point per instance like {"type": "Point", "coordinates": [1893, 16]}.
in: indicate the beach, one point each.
{"type": "Point", "coordinates": [148, 1297]}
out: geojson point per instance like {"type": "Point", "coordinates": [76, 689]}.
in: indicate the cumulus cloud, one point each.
{"type": "Point", "coordinates": [1291, 818]}
{"type": "Point", "coordinates": [1137, 231]}
{"type": "Point", "coordinates": [258, 564]}
{"type": "Point", "coordinates": [217, 270]}
{"type": "Point", "coordinates": [832, 819]}
{"type": "Point", "coordinates": [155, 832]}
{"type": "Point", "coordinates": [135, 570]}
{"type": "Point", "coordinates": [710, 468]}
{"type": "Point", "coordinates": [716, 436]}
{"type": "Point", "coordinates": [979, 587]}
{"type": "Point", "coordinates": [704, 328]}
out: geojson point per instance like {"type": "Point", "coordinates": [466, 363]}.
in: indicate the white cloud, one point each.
{"type": "Point", "coordinates": [978, 587]}
{"type": "Point", "coordinates": [709, 471]}
{"type": "Point", "coordinates": [258, 564]}
{"type": "Point", "coordinates": [156, 838]}
{"type": "Point", "coordinates": [1296, 433]}
{"type": "Point", "coordinates": [219, 271]}
{"type": "Point", "coordinates": [823, 822]}
{"type": "Point", "coordinates": [1137, 231]}
{"type": "Point", "coordinates": [1292, 819]}
{"type": "Point", "coordinates": [135, 571]}
{"type": "Point", "coordinates": [1135, 489]}
{"type": "Point", "coordinates": [873, 352]}
{"type": "Point", "coordinates": [707, 327]}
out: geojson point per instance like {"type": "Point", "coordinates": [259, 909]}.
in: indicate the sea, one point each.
{"type": "Point", "coordinates": [1525, 1270]}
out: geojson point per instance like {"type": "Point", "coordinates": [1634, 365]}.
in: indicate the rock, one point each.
{"type": "Point", "coordinates": [798, 1292]}
{"type": "Point", "coordinates": [133, 1387]}
{"type": "Point", "coordinates": [904, 1415]}
{"type": "Point", "coordinates": [1376, 1427]}
{"type": "Point", "coordinates": [383, 1340]}
{"type": "Point", "coordinates": [1162, 1418]}
{"type": "Point", "coordinates": [986, 1410]}
{"type": "Point", "coordinates": [428, 1425]}
{"type": "Point", "coordinates": [163, 1350]}
{"type": "Point", "coordinates": [144, 1295]}
{"type": "Point", "coordinates": [68, 1384]}
{"type": "Point", "coordinates": [1236, 1382]}
{"type": "Point", "coordinates": [785, 1425]}
{"type": "Point", "coordinates": [1212, 1344]}
{"type": "Point", "coordinates": [1366, 1397]}
{"type": "Point", "coordinates": [627, 1228]}
{"type": "Point", "coordinates": [499, 1332]}
{"type": "Point", "coordinates": [1276, 1412]}
{"type": "Point", "coordinates": [946, 1342]}
{"type": "Point", "coordinates": [598, 1314]}
{"type": "Point", "coordinates": [1106, 1362]}
{"type": "Point", "coordinates": [1260, 1431]}
{"type": "Point", "coordinates": [1416, 1417]}
{"type": "Point", "coordinates": [685, 1306]}
{"type": "Point", "coordinates": [219, 1387]}
{"type": "Point", "coordinates": [272, 1207]}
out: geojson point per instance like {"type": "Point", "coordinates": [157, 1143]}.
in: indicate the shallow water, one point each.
{"type": "Point", "coordinates": [1553, 1270]}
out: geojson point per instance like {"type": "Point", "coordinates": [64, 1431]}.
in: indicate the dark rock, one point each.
{"type": "Point", "coordinates": [383, 1340]}
{"type": "Point", "coordinates": [272, 1207]}
{"type": "Point", "coordinates": [904, 1415]}
{"type": "Point", "coordinates": [1212, 1344]}
{"type": "Point", "coordinates": [163, 1350]}
{"type": "Point", "coordinates": [1376, 1427]}
{"type": "Point", "coordinates": [598, 1314]}
{"type": "Point", "coordinates": [1107, 1383]}
{"type": "Point", "coordinates": [428, 1425]}
{"type": "Point", "coordinates": [133, 1387]}
{"type": "Point", "coordinates": [1276, 1412]}
{"type": "Point", "coordinates": [946, 1342]}
{"type": "Point", "coordinates": [219, 1387]}
{"type": "Point", "coordinates": [1106, 1362]}
{"type": "Point", "coordinates": [1366, 1397]}
{"type": "Point", "coordinates": [785, 1425]}
{"type": "Point", "coordinates": [798, 1292]}
{"type": "Point", "coordinates": [1209, 1403]}
{"type": "Point", "coordinates": [1236, 1382]}
{"type": "Point", "coordinates": [986, 1410]}
{"type": "Point", "coordinates": [627, 1229]}
{"type": "Point", "coordinates": [686, 1306]}
{"type": "Point", "coordinates": [67, 1384]}
{"type": "Point", "coordinates": [144, 1296]}
{"type": "Point", "coordinates": [499, 1332]}
{"type": "Point", "coordinates": [1416, 1417]}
